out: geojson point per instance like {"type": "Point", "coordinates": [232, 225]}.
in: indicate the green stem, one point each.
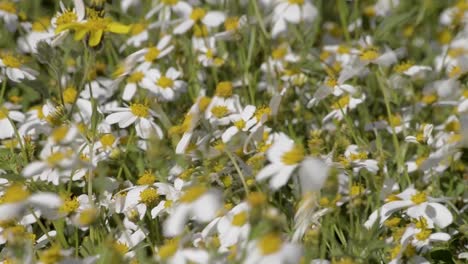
{"type": "Point", "coordinates": [239, 171]}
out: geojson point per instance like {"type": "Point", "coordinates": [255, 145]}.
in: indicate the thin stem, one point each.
{"type": "Point", "coordinates": [239, 171]}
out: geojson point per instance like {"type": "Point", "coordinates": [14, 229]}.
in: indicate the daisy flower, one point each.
{"type": "Point", "coordinates": [167, 86]}
{"type": "Point", "coordinates": [243, 121]}
{"type": "Point", "coordinates": [8, 12]}
{"type": "Point", "coordinates": [292, 11]}
{"type": "Point", "coordinates": [416, 205]}
{"type": "Point", "coordinates": [138, 114]}
{"type": "Point", "coordinates": [153, 53]}
{"type": "Point", "coordinates": [284, 156]}
{"type": "Point", "coordinates": [17, 200]}
{"type": "Point", "coordinates": [193, 16]}
{"type": "Point", "coordinates": [270, 248]}
{"type": "Point", "coordinates": [64, 17]}
{"type": "Point", "coordinates": [173, 252]}
{"type": "Point", "coordinates": [232, 228]}
{"type": "Point", "coordinates": [7, 116]}
{"type": "Point", "coordinates": [13, 67]}
{"type": "Point", "coordinates": [198, 203]}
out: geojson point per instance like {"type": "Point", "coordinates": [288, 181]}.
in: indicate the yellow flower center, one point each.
{"type": "Point", "coordinates": [294, 156]}
{"type": "Point", "coordinates": [261, 112]}
{"type": "Point", "coordinates": [404, 66]}
{"type": "Point", "coordinates": [15, 193]}
{"type": "Point", "coordinates": [120, 248]}
{"type": "Point", "coordinates": [60, 133]}
{"type": "Point", "coordinates": [453, 126]}
{"type": "Point", "coordinates": [239, 219]}
{"type": "Point", "coordinates": [269, 244]}
{"type": "Point", "coordinates": [419, 198]}
{"type": "Point", "coordinates": [455, 71]}
{"type": "Point", "coordinates": [51, 255]}
{"type": "Point", "coordinates": [203, 103]}
{"type": "Point", "coordinates": [139, 110]}
{"type": "Point", "coordinates": [107, 140]}
{"type": "Point", "coordinates": [170, 2]}
{"type": "Point", "coordinates": [193, 193]}
{"type": "Point", "coordinates": [147, 178]}
{"type": "Point", "coordinates": [168, 249]}
{"type": "Point", "coordinates": [429, 98]}
{"type": "Point", "coordinates": [219, 111]}
{"type": "Point", "coordinates": [239, 124]}
{"type": "Point", "coordinates": [149, 196]}
{"type": "Point", "coordinates": [137, 28]}
{"type": "Point", "coordinates": [69, 95]}
{"type": "Point", "coordinates": [4, 112]}
{"type": "Point", "coordinates": [421, 223]}
{"type": "Point", "coordinates": [423, 235]}
{"type": "Point", "coordinates": [395, 120]}
{"type": "Point", "coordinates": [224, 89]}
{"type": "Point", "coordinates": [200, 30]}
{"type": "Point", "coordinates": [231, 23]}
{"type": "Point", "coordinates": [55, 158]}
{"type": "Point", "coordinates": [70, 205]}
{"type": "Point", "coordinates": [279, 53]}
{"type": "Point", "coordinates": [342, 102]}
{"type": "Point", "coordinates": [88, 216]}
{"type": "Point", "coordinates": [395, 251]}
{"type": "Point", "coordinates": [8, 7]}
{"type": "Point", "coordinates": [197, 14]}
{"type": "Point", "coordinates": [356, 190]}
{"type": "Point", "coordinates": [296, 2]}
{"type": "Point", "coordinates": [444, 37]}
{"type": "Point", "coordinates": [256, 199]}
{"type": "Point", "coordinates": [136, 77]}
{"type": "Point", "coordinates": [358, 156]}
{"type": "Point", "coordinates": [152, 54]}
{"type": "Point", "coordinates": [343, 49]}
{"type": "Point", "coordinates": [41, 25]}
{"type": "Point", "coordinates": [66, 18]}
{"type": "Point", "coordinates": [11, 61]}
{"type": "Point", "coordinates": [369, 55]}
{"type": "Point", "coordinates": [392, 222]}
{"type": "Point", "coordinates": [331, 82]}
{"type": "Point", "coordinates": [165, 82]}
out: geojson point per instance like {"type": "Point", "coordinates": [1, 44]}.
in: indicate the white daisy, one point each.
{"type": "Point", "coordinates": [284, 156]}
{"type": "Point", "coordinates": [199, 15]}
{"type": "Point", "coordinates": [167, 86]}
{"type": "Point", "coordinates": [6, 118]}
{"type": "Point", "coordinates": [138, 114]}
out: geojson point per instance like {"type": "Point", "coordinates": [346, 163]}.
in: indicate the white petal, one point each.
{"type": "Point", "coordinates": [313, 173]}
{"type": "Point", "coordinates": [129, 91]}
{"type": "Point", "coordinates": [183, 143]}
{"type": "Point", "coordinates": [282, 177]}
{"type": "Point", "coordinates": [11, 210]}
{"type": "Point", "coordinates": [229, 133]}
{"type": "Point", "coordinates": [214, 18]}
{"type": "Point", "coordinates": [33, 168]}
{"type": "Point", "coordinates": [174, 224]}
{"type": "Point", "coordinates": [267, 172]}
{"type": "Point", "coordinates": [45, 200]}
{"type": "Point", "coordinates": [116, 117]}
{"type": "Point", "coordinates": [183, 27]}
{"type": "Point", "coordinates": [278, 27]}
{"type": "Point", "coordinates": [439, 237]}
{"type": "Point", "coordinates": [127, 120]}
{"type": "Point", "coordinates": [439, 214]}
{"type": "Point", "coordinates": [293, 14]}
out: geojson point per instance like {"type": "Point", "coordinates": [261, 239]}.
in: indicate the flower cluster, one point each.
{"type": "Point", "coordinates": [262, 131]}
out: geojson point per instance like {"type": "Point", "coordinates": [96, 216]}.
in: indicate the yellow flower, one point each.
{"type": "Point", "coordinates": [96, 26]}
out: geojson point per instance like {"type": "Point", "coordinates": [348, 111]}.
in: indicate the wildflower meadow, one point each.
{"type": "Point", "coordinates": [234, 131]}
